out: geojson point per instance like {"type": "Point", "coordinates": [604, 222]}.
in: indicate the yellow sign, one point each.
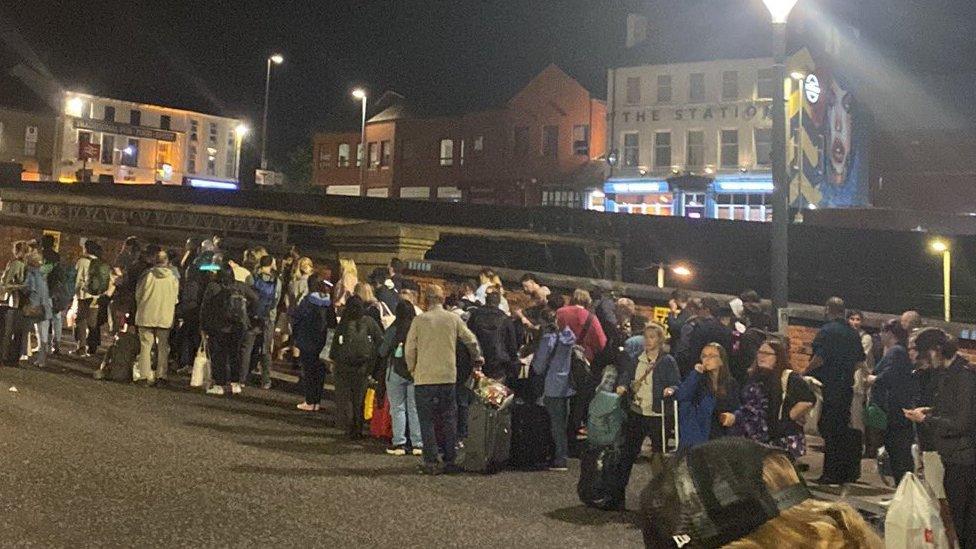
{"type": "Point", "coordinates": [661, 315]}
{"type": "Point", "coordinates": [57, 239]}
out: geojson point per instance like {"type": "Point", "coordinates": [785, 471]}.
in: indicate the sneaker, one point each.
{"type": "Point", "coordinates": [306, 407]}
{"type": "Point", "coordinates": [216, 390]}
{"type": "Point", "coordinates": [558, 467]}
{"type": "Point", "coordinates": [396, 450]}
{"type": "Point", "coordinates": [417, 451]}
{"type": "Point", "coordinates": [235, 388]}
{"type": "Point", "coordinates": [266, 385]}
{"type": "Point", "coordinates": [581, 434]}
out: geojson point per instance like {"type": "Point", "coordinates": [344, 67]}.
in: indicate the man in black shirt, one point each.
{"type": "Point", "coordinates": [950, 422]}
{"type": "Point", "coordinates": [837, 353]}
{"type": "Point", "coordinates": [706, 329]}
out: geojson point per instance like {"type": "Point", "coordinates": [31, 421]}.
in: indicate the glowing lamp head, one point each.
{"type": "Point", "coordinates": [681, 270]}
{"type": "Point", "coordinates": [359, 93]}
{"type": "Point", "coordinates": [241, 131]}
{"type": "Point", "coordinates": [129, 151]}
{"type": "Point", "coordinates": [74, 106]}
{"type": "Point", "coordinates": [798, 75]}
{"type": "Point", "coordinates": [939, 246]}
{"type": "Point", "coordinates": [277, 59]}
{"type": "Point", "coordinates": [779, 9]}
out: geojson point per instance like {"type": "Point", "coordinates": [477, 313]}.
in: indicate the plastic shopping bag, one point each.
{"type": "Point", "coordinates": [201, 365]}
{"type": "Point", "coordinates": [369, 403]}
{"type": "Point", "coordinates": [913, 518]}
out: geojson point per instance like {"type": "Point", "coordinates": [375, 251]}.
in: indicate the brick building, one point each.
{"type": "Point", "coordinates": [545, 145]}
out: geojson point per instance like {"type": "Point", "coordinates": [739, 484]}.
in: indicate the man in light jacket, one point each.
{"type": "Point", "coordinates": [431, 360]}
{"type": "Point", "coordinates": [156, 296]}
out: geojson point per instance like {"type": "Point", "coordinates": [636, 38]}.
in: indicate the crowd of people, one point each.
{"type": "Point", "coordinates": [721, 366]}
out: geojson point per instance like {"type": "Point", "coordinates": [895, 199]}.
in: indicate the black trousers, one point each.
{"type": "Point", "coordinates": [350, 392]}
{"type": "Point", "coordinates": [636, 429]}
{"type": "Point", "coordinates": [313, 375]}
{"type": "Point", "coordinates": [898, 442]}
{"type": "Point", "coordinates": [842, 445]}
{"type": "Point", "coordinates": [960, 488]}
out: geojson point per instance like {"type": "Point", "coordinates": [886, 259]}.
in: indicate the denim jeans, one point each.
{"type": "Point", "coordinates": [558, 408]}
{"type": "Point", "coordinates": [57, 325]}
{"type": "Point", "coordinates": [264, 332]}
{"type": "Point", "coordinates": [43, 330]}
{"type": "Point", "coordinates": [403, 410]}
{"type": "Point", "coordinates": [437, 403]}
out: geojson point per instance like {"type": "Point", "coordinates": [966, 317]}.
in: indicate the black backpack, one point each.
{"type": "Point", "coordinates": [228, 313]}
{"type": "Point", "coordinates": [354, 344]}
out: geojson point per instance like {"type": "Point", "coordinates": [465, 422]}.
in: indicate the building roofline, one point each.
{"type": "Point", "coordinates": [68, 92]}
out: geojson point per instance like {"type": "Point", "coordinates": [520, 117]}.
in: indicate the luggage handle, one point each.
{"type": "Point", "coordinates": [664, 425]}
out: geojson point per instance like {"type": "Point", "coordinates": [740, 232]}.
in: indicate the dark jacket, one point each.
{"type": "Point", "coordinates": [665, 375]}
{"type": "Point", "coordinates": [388, 296]}
{"type": "Point", "coordinates": [896, 389]}
{"type": "Point", "coordinates": [704, 331]}
{"type": "Point", "coordinates": [840, 349]}
{"type": "Point", "coordinates": [209, 303]}
{"type": "Point", "coordinates": [310, 322]}
{"type": "Point", "coordinates": [952, 414]}
{"type": "Point", "coordinates": [496, 336]}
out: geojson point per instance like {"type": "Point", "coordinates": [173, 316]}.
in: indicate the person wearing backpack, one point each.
{"type": "Point", "coordinates": [91, 282]}
{"type": "Point", "coordinates": [355, 349]}
{"type": "Point", "coordinates": [311, 321]}
{"type": "Point", "coordinates": [496, 335]}
{"type": "Point", "coordinates": [399, 385]}
{"type": "Point", "coordinates": [224, 318]}
{"type": "Point", "coordinates": [267, 286]}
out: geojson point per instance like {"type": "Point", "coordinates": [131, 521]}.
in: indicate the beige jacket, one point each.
{"type": "Point", "coordinates": [156, 297]}
{"type": "Point", "coordinates": [432, 343]}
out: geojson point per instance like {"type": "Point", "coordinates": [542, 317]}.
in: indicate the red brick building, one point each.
{"type": "Point", "coordinates": [545, 145]}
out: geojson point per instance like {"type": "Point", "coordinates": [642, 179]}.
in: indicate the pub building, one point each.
{"type": "Point", "coordinates": [108, 140]}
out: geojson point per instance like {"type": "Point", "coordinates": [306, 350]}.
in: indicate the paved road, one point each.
{"type": "Point", "coordinates": [88, 463]}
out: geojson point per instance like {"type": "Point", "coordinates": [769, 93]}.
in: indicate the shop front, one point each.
{"type": "Point", "coordinates": [739, 197]}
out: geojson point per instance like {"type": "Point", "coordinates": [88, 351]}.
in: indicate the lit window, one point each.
{"type": "Point", "coordinates": [631, 150]}
{"type": "Point", "coordinates": [730, 85]}
{"type": "Point", "coordinates": [162, 154]}
{"type": "Point", "coordinates": [696, 87]}
{"type": "Point", "coordinates": [447, 152]}
{"type": "Point", "coordinates": [343, 155]}
{"type": "Point", "coordinates": [83, 137]}
{"type": "Point", "coordinates": [359, 155]}
{"type": "Point", "coordinates": [374, 155]}
{"type": "Point", "coordinates": [479, 143]}
{"type": "Point", "coordinates": [386, 154]}
{"type": "Point", "coordinates": [581, 140]}
{"type": "Point", "coordinates": [730, 148]}
{"type": "Point", "coordinates": [130, 156]}
{"type": "Point", "coordinates": [696, 149]}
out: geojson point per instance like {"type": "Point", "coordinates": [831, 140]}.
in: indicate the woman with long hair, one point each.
{"type": "Point", "coordinates": [707, 398]}
{"type": "Point", "coordinates": [399, 384]}
{"type": "Point", "coordinates": [775, 401]}
{"type": "Point", "coordinates": [348, 279]}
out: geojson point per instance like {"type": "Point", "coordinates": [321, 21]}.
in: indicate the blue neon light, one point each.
{"type": "Point", "coordinates": [635, 185]}
{"type": "Point", "coordinates": [211, 184]}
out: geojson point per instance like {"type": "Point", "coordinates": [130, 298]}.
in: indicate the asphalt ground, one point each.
{"type": "Point", "coordinates": [87, 463]}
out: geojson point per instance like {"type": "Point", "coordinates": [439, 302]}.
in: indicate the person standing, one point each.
{"type": "Point", "coordinates": [224, 318]}
{"type": "Point", "coordinates": [707, 398]}
{"type": "Point", "coordinates": [950, 417]}
{"type": "Point", "coordinates": [496, 335]}
{"type": "Point", "coordinates": [678, 314]}
{"type": "Point", "coordinates": [355, 350]}
{"type": "Point", "coordinates": [837, 354]}
{"type": "Point", "coordinates": [267, 287]}
{"type": "Point", "coordinates": [399, 384]}
{"type": "Point", "coordinates": [37, 305]}
{"type": "Point", "coordinates": [60, 289]}
{"type": "Point", "coordinates": [91, 282]}
{"type": "Point", "coordinates": [311, 321]}
{"type": "Point", "coordinates": [431, 360]}
{"type": "Point", "coordinates": [705, 329]}
{"type": "Point", "coordinates": [156, 296]}
{"type": "Point", "coordinates": [896, 389]}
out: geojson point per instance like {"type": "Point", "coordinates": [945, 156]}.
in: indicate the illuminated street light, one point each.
{"type": "Point", "coordinates": [129, 151]}
{"type": "Point", "coordinates": [779, 10]}
{"type": "Point", "coordinates": [682, 271]}
{"type": "Point", "coordinates": [940, 246]}
{"type": "Point", "coordinates": [241, 131]}
{"type": "Point", "coordinates": [360, 94]}
{"type": "Point", "coordinates": [277, 59]}
{"type": "Point", "coordinates": [74, 106]}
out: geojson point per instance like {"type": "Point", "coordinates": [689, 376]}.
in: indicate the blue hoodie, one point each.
{"type": "Point", "coordinates": [310, 321]}
{"type": "Point", "coordinates": [560, 346]}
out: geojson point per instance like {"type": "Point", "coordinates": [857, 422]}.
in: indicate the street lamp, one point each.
{"type": "Point", "coordinates": [800, 78]}
{"type": "Point", "coordinates": [678, 270]}
{"type": "Point", "coordinates": [780, 10]}
{"type": "Point", "coordinates": [939, 246]}
{"type": "Point", "coordinates": [277, 59]}
{"type": "Point", "coordinates": [240, 132]}
{"type": "Point", "coordinates": [360, 94]}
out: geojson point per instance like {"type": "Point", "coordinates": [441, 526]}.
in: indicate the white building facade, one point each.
{"type": "Point", "coordinates": [136, 143]}
{"type": "Point", "coordinates": [691, 139]}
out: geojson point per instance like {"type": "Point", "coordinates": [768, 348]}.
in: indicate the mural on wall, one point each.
{"type": "Point", "coordinates": [833, 144]}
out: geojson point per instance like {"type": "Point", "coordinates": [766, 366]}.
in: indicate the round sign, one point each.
{"type": "Point", "coordinates": [812, 87]}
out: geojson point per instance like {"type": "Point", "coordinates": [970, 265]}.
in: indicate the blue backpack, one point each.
{"type": "Point", "coordinates": [266, 291]}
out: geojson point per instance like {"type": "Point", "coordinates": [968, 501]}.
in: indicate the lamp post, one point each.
{"type": "Point", "coordinates": [240, 132]}
{"type": "Point", "coordinates": [360, 94]}
{"type": "Point", "coordinates": [780, 10]}
{"type": "Point", "coordinates": [277, 59]}
{"type": "Point", "coordinates": [942, 247]}
{"type": "Point", "coordinates": [681, 271]}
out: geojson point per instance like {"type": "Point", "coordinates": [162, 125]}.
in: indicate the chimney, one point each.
{"type": "Point", "coordinates": [636, 29]}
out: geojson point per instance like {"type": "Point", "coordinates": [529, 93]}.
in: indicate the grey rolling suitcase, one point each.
{"type": "Point", "coordinates": [487, 447]}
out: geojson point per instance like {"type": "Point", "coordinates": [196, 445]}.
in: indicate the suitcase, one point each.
{"type": "Point", "coordinates": [532, 445]}
{"type": "Point", "coordinates": [600, 474]}
{"type": "Point", "coordinates": [120, 358]}
{"type": "Point", "coordinates": [486, 450]}
{"type": "Point", "coordinates": [11, 335]}
{"type": "Point", "coordinates": [669, 448]}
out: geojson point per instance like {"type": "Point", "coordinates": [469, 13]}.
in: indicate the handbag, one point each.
{"type": "Point", "coordinates": [201, 365]}
{"type": "Point", "coordinates": [875, 417]}
{"type": "Point", "coordinates": [381, 426]}
{"type": "Point", "coordinates": [32, 312]}
{"type": "Point", "coordinates": [579, 366]}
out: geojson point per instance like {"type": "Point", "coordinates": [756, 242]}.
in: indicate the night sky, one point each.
{"type": "Point", "coordinates": [450, 55]}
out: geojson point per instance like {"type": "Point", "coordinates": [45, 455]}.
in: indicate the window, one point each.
{"type": "Point", "coordinates": [108, 149]}
{"type": "Point", "coordinates": [109, 114]}
{"type": "Point", "coordinates": [83, 137]}
{"type": "Point", "coordinates": [461, 155]}
{"type": "Point", "coordinates": [764, 85]}
{"type": "Point", "coordinates": [191, 159]}
{"type": "Point", "coordinates": [696, 87]}
{"type": "Point", "coordinates": [522, 141]}
{"type": "Point", "coordinates": [213, 134]}
{"type": "Point", "coordinates": [30, 141]}
{"type": "Point", "coordinates": [563, 199]}
{"type": "Point", "coordinates": [581, 140]}
{"type": "Point", "coordinates": [374, 155]}
{"type": "Point", "coordinates": [550, 141]}
{"type": "Point", "coordinates": [135, 117]}
{"type": "Point", "coordinates": [730, 148]}
{"type": "Point", "coordinates": [696, 149]}
{"type": "Point", "coordinates": [447, 152]}
{"type": "Point", "coordinates": [730, 85]}
{"type": "Point", "coordinates": [359, 155]}
{"type": "Point", "coordinates": [664, 88]}
{"type": "Point", "coordinates": [764, 146]}
{"type": "Point", "coordinates": [325, 157]}
{"type": "Point", "coordinates": [631, 150]}
{"type": "Point", "coordinates": [743, 207]}
{"type": "Point", "coordinates": [479, 143]}
{"type": "Point", "coordinates": [386, 154]}
{"type": "Point", "coordinates": [211, 165]}
{"type": "Point", "coordinates": [662, 149]}
{"type": "Point", "coordinates": [194, 130]}
{"type": "Point", "coordinates": [230, 162]}
{"type": "Point", "coordinates": [633, 90]}
{"type": "Point", "coordinates": [162, 154]}
{"type": "Point", "coordinates": [343, 155]}
{"type": "Point", "coordinates": [164, 122]}
{"type": "Point", "coordinates": [130, 156]}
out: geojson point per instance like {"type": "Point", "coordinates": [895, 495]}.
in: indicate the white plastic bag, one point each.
{"type": "Point", "coordinates": [201, 365]}
{"type": "Point", "coordinates": [913, 520]}
{"type": "Point", "coordinates": [810, 427]}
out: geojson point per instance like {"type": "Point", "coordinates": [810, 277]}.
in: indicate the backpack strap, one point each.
{"type": "Point", "coordinates": [586, 327]}
{"type": "Point", "coordinates": [784, 381]}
